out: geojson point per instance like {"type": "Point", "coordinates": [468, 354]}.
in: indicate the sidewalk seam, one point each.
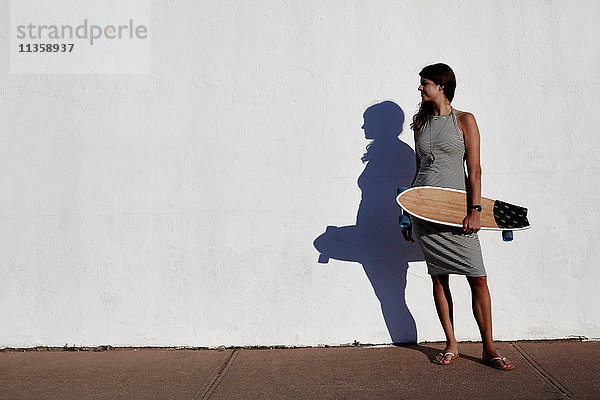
{"type": "Point", "coordinates": [209, 387]}
{"type": "Point", "coordinates": [545, 374]}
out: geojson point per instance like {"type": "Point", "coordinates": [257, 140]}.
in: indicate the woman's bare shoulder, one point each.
{"type": "Point", "coordinates": [465, 118]}
{"type": "Point", "coordinates": [463, 114]}
{"type": "Point", "coordinates": [466, 122]}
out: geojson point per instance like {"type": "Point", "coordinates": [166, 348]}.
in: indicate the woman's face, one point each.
{"type": "Point", "coordinates": [429, 90]}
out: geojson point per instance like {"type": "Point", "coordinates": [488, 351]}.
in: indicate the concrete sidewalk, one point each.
{"type": "Point", "coordinates": [544, 370]}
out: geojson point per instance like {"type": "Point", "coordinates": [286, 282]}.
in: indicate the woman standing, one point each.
{"type": "Point", "coordinates": [444, 139]}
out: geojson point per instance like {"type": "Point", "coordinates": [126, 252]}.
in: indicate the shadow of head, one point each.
{"type": "Point", "coordinates": [383, 121]}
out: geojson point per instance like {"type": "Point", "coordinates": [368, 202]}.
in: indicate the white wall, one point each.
{"type": "Point", "coordinates": [180, 207]}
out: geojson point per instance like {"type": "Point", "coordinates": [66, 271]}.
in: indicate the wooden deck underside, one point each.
{"type": "Point", "coordinates": [446, 206]}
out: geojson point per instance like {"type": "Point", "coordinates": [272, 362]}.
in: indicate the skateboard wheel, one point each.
{"type": "Point", "coordinates": [402, 189]}
{"type": "Point", "coordinates": [507, 236]}
{"type": "Point", "coordinates": [404, 221]}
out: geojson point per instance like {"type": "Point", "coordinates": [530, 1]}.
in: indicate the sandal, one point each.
{"type": "Point", "coordinates": [444, 357]}
{"type": "Point", "coordinates": [492, 363]}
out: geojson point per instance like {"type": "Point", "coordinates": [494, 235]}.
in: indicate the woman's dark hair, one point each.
{"type": "Point", "coordinates": [440, 74]}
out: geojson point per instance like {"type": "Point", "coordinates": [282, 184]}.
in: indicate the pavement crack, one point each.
{"type": "Point", "coordinates": [547, 376]}
{"type": "Point", "coordinates": [209, 387]}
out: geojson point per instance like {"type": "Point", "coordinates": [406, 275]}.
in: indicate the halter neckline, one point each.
{"type": "Point", "coordinates": [445, 116]}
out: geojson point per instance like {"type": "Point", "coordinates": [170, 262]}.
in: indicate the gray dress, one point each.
{"type": "Point", "coordinates": [447, 250]}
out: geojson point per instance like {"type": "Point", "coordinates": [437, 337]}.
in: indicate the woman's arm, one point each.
{"type": "Point", "coordinates": [470, 131]}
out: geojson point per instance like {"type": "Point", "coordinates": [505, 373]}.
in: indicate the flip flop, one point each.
{"type": "Point", "coordinates": [444, 357]}
{"type": "Point", "coordinates": [491, 363]}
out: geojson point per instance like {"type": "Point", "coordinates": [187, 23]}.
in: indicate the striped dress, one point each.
{"type": "Point", "coordinates": [447, 250]}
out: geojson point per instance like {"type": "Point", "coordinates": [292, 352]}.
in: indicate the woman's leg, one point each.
{"type": "Point", "coordinates": [482, 310]}
{"type": "Point", "coordinates": [443, 303]}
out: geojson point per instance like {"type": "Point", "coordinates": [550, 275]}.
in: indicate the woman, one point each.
{"type": "Point", "coordinates": [444, 139]}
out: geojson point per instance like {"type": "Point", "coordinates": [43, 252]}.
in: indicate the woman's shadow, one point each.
{"type": "Point", "coordinates": [376, 240]}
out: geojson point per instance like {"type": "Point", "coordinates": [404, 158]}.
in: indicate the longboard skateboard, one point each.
{"type": "Point", "coordinates": [449, 207]}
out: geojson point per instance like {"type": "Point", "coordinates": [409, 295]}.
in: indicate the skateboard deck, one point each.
{"type": "Point", "coordinates": [449, 207]}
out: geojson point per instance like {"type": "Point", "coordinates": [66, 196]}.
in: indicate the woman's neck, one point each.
{"type": "Point", "coordinates": [442, 109]}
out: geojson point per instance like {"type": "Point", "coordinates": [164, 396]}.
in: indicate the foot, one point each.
{"type": "Point", "coordinates": [447, 356]}
{"type": "Point", "coordinates": [495, 360]}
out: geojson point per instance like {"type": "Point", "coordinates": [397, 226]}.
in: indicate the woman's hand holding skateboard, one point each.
{"type": "Point", "coordinates": [472, 222]}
